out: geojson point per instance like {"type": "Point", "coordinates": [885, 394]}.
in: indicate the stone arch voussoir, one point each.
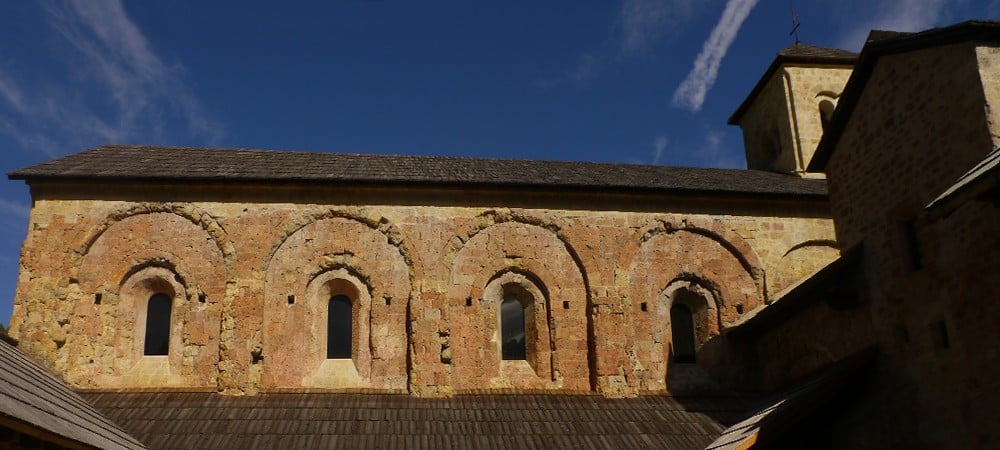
{"type": "Point", "coordinates": [193, 214]}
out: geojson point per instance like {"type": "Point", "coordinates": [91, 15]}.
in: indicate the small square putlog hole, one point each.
{"type": "Point", "coordinates": [97, 299]}
{"type": "Point", "coordinates": [565, 304]}
{"type": "Point", "coordinates": [291, 299]}
{"type": "Point", "coordinates": [468, 301]}
{"type": "Point", "coordinates": [202, 298]}
{"type": "Point", "coordinates": [643, 307]}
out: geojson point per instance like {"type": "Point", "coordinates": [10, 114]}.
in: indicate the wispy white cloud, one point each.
{"type": "Point", "coordinates": [713, 153]}
{"type": "Point", "coordinates": [692, 91]}
{"type": "Point", "coordinates": [895, 15]}
{"type": "Point", "coordinates": [642, 22]}
{"type": "Point", "coordinates": [659, 145]}
{"type": "Point", "coordinates": [119, 88]}
{"type": "Point", "coordinates": [11, 208]}
{"type": "Point", "coordinates": [638, 27]}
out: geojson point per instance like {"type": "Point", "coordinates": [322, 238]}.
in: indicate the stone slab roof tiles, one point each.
{"type": "Point", "coordinates": [816, 54]}
{"type": "Point", "coordinates": [488, 421]}
{"type": "Point", "coordinates": [182, 164]}
{"type": "Point", "coordinates": [31, 396]}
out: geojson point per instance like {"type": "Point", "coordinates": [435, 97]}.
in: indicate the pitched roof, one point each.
{"type": "Point", "coordinates": [986, 173]}
{"type": "Point", "coordinates": [318, 420]}
{"type": "Point", "coordinates": [886, 43]}
{"type": "Point", "coordinates": [183, 164]}
{"type": "Point", "coordinates": [777, 419]}
{"type": "Point", "coordinates": [804, 53]}
{"type": "Point", "coordinates": [37, 400]}
{"type": "Point", "coordinates": [795, 54]}
{"type": "Point", "coordinates": [828, 281]}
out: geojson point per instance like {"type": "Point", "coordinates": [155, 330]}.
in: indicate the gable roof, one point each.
{"type": "Point", "coordinates": [332, 420]}
{"type": "Point", "coordinates": [31, 399]}
{"type": "Point", "coordinates": [185, 164]}
{"type": "Point", "coordinates": [882, 43]}
{"type": "Point", "coordinates": [795, 54]}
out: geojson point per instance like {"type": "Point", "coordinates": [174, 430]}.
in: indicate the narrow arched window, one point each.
{"type": "Point", "coordinates": [339, 327]}
{"type": "Point", "coordinates": [682, 333]}
{"type": "Point", "coordinates": [826, 108]}
{"type": "Point", "coordinates": [512, 329]}
{"type": "Point", "coordinates": [157, 339]}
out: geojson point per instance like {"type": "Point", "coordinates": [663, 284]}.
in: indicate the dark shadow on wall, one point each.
{"type": "Point", "coordinates": [706, 386]}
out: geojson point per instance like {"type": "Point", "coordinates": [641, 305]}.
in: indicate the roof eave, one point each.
{"type": "Point", "coordinates": [694, 192]}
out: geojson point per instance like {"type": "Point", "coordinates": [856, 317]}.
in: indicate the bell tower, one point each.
{"type": "Point", "coordinates": [784, 116]}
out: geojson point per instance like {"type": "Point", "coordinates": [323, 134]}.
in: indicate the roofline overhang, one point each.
{"type": "Point", "coordinates": [969, 31]}
{"type": "Point", "coordinates": [430, 185]}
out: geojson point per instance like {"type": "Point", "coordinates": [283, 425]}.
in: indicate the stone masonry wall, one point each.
{"type": "Point", "coordinates": [782, 127]}
{"type": "Point", "coordinates": [250, 281]}
{"type": "Point", "coordinates": [931, 276]}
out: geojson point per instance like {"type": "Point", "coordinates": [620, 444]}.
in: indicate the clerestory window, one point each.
{"type": "Point", "coordinates": [512, 329]}
{"type": "Point", "coordinates": [340, 327]}
{"type": "Point", "coordinates": [157, 338]}
{"type": "Point", "coordinates": [682, 332]}
{"type": "Point", "coordinates": [826, 108]}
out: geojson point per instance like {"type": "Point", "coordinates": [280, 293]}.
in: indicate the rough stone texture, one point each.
{"type": "Point", "coordinates": [426, 283]}
{"type": "Point", "coordinates": [989, 72]}
{"type": "Point", "coordinates": [782, 127]}
{"type": "Point", "coordinates": [932, 275]}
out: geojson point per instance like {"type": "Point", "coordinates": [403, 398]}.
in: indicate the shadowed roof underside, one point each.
{"type": "Point", "coordinates": [182, 164]}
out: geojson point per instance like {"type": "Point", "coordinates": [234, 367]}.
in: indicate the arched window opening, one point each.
{"type": "Point", "coordinates": [157, 339]}
{"type": "Point", "coordinates": [339, 328]}
{"type": "Point", "coordinates": [512, 329]}
{"type": "Point", "coordinates": [682, 332]}
{"type": "Point", "coordinates": [826, 108]}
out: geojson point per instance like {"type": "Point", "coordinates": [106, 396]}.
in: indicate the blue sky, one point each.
{"type": "Point", "coordinates": [628, 81]}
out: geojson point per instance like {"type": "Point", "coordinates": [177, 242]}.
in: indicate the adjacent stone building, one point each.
{"type": "Point", "coordinates": [315, 275]}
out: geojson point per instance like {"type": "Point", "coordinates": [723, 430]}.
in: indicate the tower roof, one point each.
{"type": "Point", "coordinates": [796, 54]}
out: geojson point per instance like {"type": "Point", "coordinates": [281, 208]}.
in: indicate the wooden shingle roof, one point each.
{"type": "Point", "coordinates": [183, 164]}
{"type": "Point", "coordinates": [35, 402]}
{"type": "Point", "coordinates": [488, 421]}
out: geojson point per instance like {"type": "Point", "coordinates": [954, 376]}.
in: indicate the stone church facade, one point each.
{"type": "Point", "coordinates": [241, 272]}
{"type": "Point", "coordinates": [250, 270]}
{"type": "Point", "coordinates": [251, 246]}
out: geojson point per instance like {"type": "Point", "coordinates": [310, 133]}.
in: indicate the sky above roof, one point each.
{"type": "Point", "coordinates": [626, 81]}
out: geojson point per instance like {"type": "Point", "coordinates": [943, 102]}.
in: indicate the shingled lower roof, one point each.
{"type": "Point", "coordinates": [183, 164]}
{"type": "Point", "coordinates": [34, 401]}
{"type": "Point", "coordinates": [489, 421]}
